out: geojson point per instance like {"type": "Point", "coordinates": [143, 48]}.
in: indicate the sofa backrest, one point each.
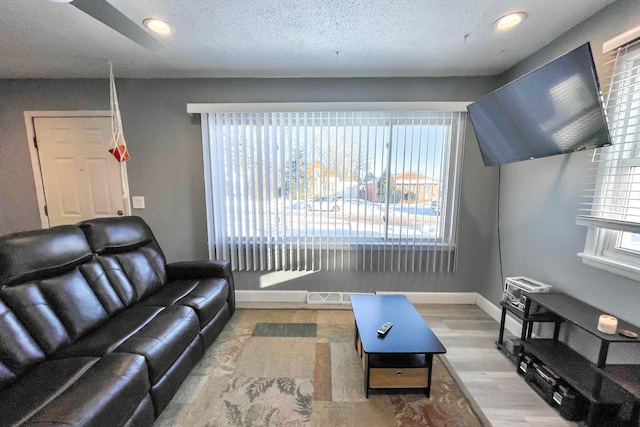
{"type": "Point", "coordinates": [18, 350]}
{"type": "Point", "coordinates": [48, 298]}
{"type": "Point", "coordinates": [129, 254]}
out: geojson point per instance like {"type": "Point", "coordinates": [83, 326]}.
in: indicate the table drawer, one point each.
{"type": "Point", "coordinates": [398, 377]}
{"type": "Point", "coordinates": [360, 352]}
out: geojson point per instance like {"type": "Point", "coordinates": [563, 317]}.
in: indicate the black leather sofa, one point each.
{"type": "Point", "coordinates": [96, 329]}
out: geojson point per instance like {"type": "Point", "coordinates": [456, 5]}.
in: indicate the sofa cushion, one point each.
{"type": "Point", "coordinates": [115, 235]}
{"type": "Point", "coordinates": [78, 391]}
{"type": "Point", "coordinates": [193, 270]}
{"type": "Point", "coordinates": [111, 334]}
{"type": "Point", "coordinates": [56, 311]}
{"type": "Point", "coordinates": [37, 254]}
{"type": "Point", "coordinates": [205, 296]}
{"type": "Point", "coordinates": [163, 339]}
{"type": "Point", "coordinates": [134, 274]}
{"type": "Point", "coordinates": [129, 254]}
{"type": "Point", "coordinates": [18, 350]}
{"type": "Point", "coordinates": [211, 331]}
{"type": "Point", "coordinates": [163, 390]}
{"type": "Point", "coordinates": [160, 334]}
{"type": "Point", "coordinates": [143, 416]}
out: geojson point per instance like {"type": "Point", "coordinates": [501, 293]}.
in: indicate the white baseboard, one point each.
{"type": "Point", "coordinates": [271, 296]}
{"type": "Point", "coordinates": [510, 324]}
{"type": "Point", "coordinates": [414, 297]}
{"type": "Point", "coordinates": [437, 297]}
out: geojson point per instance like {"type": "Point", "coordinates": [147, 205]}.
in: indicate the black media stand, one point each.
{"type": "Point", "coordinates": [527, 325]}
{"type": "Point", "coordinates": [603, 385]}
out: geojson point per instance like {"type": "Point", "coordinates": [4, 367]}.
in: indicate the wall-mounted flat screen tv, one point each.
{"type": "Point", "coordinates": [554, 109]}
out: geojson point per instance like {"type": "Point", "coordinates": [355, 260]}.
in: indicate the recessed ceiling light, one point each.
{"type": "Point", "coordinates": [157, 25]}
{"type": "Point", "coordinates": [509, 21]}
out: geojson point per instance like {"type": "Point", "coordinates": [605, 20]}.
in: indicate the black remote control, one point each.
{"type": "Point", "coordinates": [384, 329]}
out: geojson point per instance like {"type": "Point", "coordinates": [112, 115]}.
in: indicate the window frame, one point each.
{"type": "Point", "coordinates": [454, 168]}
{"type": "Point", "coordinates": [602, 246]}
{"type": "Point", "coordinates": [601, 252]}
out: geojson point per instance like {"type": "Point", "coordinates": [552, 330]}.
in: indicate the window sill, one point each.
{"type": "Point", "coordinates": [612, 265]}
{"type": "Point", "coordinates": [360, 246]}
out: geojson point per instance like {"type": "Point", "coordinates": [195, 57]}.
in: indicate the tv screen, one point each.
{"type": "Point", "coordinates": [554, 109]}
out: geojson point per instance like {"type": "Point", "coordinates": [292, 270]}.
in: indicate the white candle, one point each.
{"type": "Point", "coordinates": [607, 324]}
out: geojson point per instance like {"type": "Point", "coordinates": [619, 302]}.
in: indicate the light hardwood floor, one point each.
{"type": "Point", "coordinates": [469, 334]}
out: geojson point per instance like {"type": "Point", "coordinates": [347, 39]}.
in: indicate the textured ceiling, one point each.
{"type": "Point", "coordinates": [282, 38]}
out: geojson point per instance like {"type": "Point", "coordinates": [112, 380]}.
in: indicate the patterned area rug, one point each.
{"type": "Point", "coordinates": [300, 368]}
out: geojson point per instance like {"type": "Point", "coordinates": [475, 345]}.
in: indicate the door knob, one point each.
{"type": "Point", "coordinates": [120, 213]}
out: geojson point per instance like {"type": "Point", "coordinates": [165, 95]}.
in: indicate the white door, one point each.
{"type": "Point", "coordinates": [81, 179]}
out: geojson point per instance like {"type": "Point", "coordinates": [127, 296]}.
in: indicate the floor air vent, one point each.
{"type": "Point", "coordinates": [331, 297]}
{"type": "Point", "coordinates": [324, 298]}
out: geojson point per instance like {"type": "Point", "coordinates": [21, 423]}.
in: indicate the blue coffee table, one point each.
{"type": "Point", "coordinates": [403, 359]}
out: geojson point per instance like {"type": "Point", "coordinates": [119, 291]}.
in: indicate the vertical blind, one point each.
{"type": "Point", "coordinates": [333, 190]}
{"type": "Point", "coordinates": [613, 189]}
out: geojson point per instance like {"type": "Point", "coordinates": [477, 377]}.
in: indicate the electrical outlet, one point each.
{"type": "Point", "coordinates": [138, 202]}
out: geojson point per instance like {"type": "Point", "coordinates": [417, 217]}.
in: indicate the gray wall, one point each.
{"type": "Point", "coordinates": [166, 165]}
{"type": "Point", "coordinates": [18, 205]}
{"type": "Point", "coordinates": [540, 198]}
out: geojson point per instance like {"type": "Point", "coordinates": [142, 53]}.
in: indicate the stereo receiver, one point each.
{"type": "Point", "coordinates": [515, 286]}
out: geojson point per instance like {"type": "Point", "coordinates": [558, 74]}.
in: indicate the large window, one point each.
{"type": "Point", "coordinates": [613, 241]}
{"type": "Point", "coordinates": [325, 190]}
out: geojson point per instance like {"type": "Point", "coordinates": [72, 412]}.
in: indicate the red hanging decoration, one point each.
{"type": "Point", "coordinates": [120, 153]}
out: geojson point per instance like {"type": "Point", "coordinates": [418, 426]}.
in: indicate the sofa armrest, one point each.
{"type": "Point", "coordinates": [202, 270]}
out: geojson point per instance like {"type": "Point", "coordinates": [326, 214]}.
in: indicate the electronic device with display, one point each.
{"type": "Point", "coordinates": [554, 109]}
{"type": "Point", "coordinates": [515, 286]}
